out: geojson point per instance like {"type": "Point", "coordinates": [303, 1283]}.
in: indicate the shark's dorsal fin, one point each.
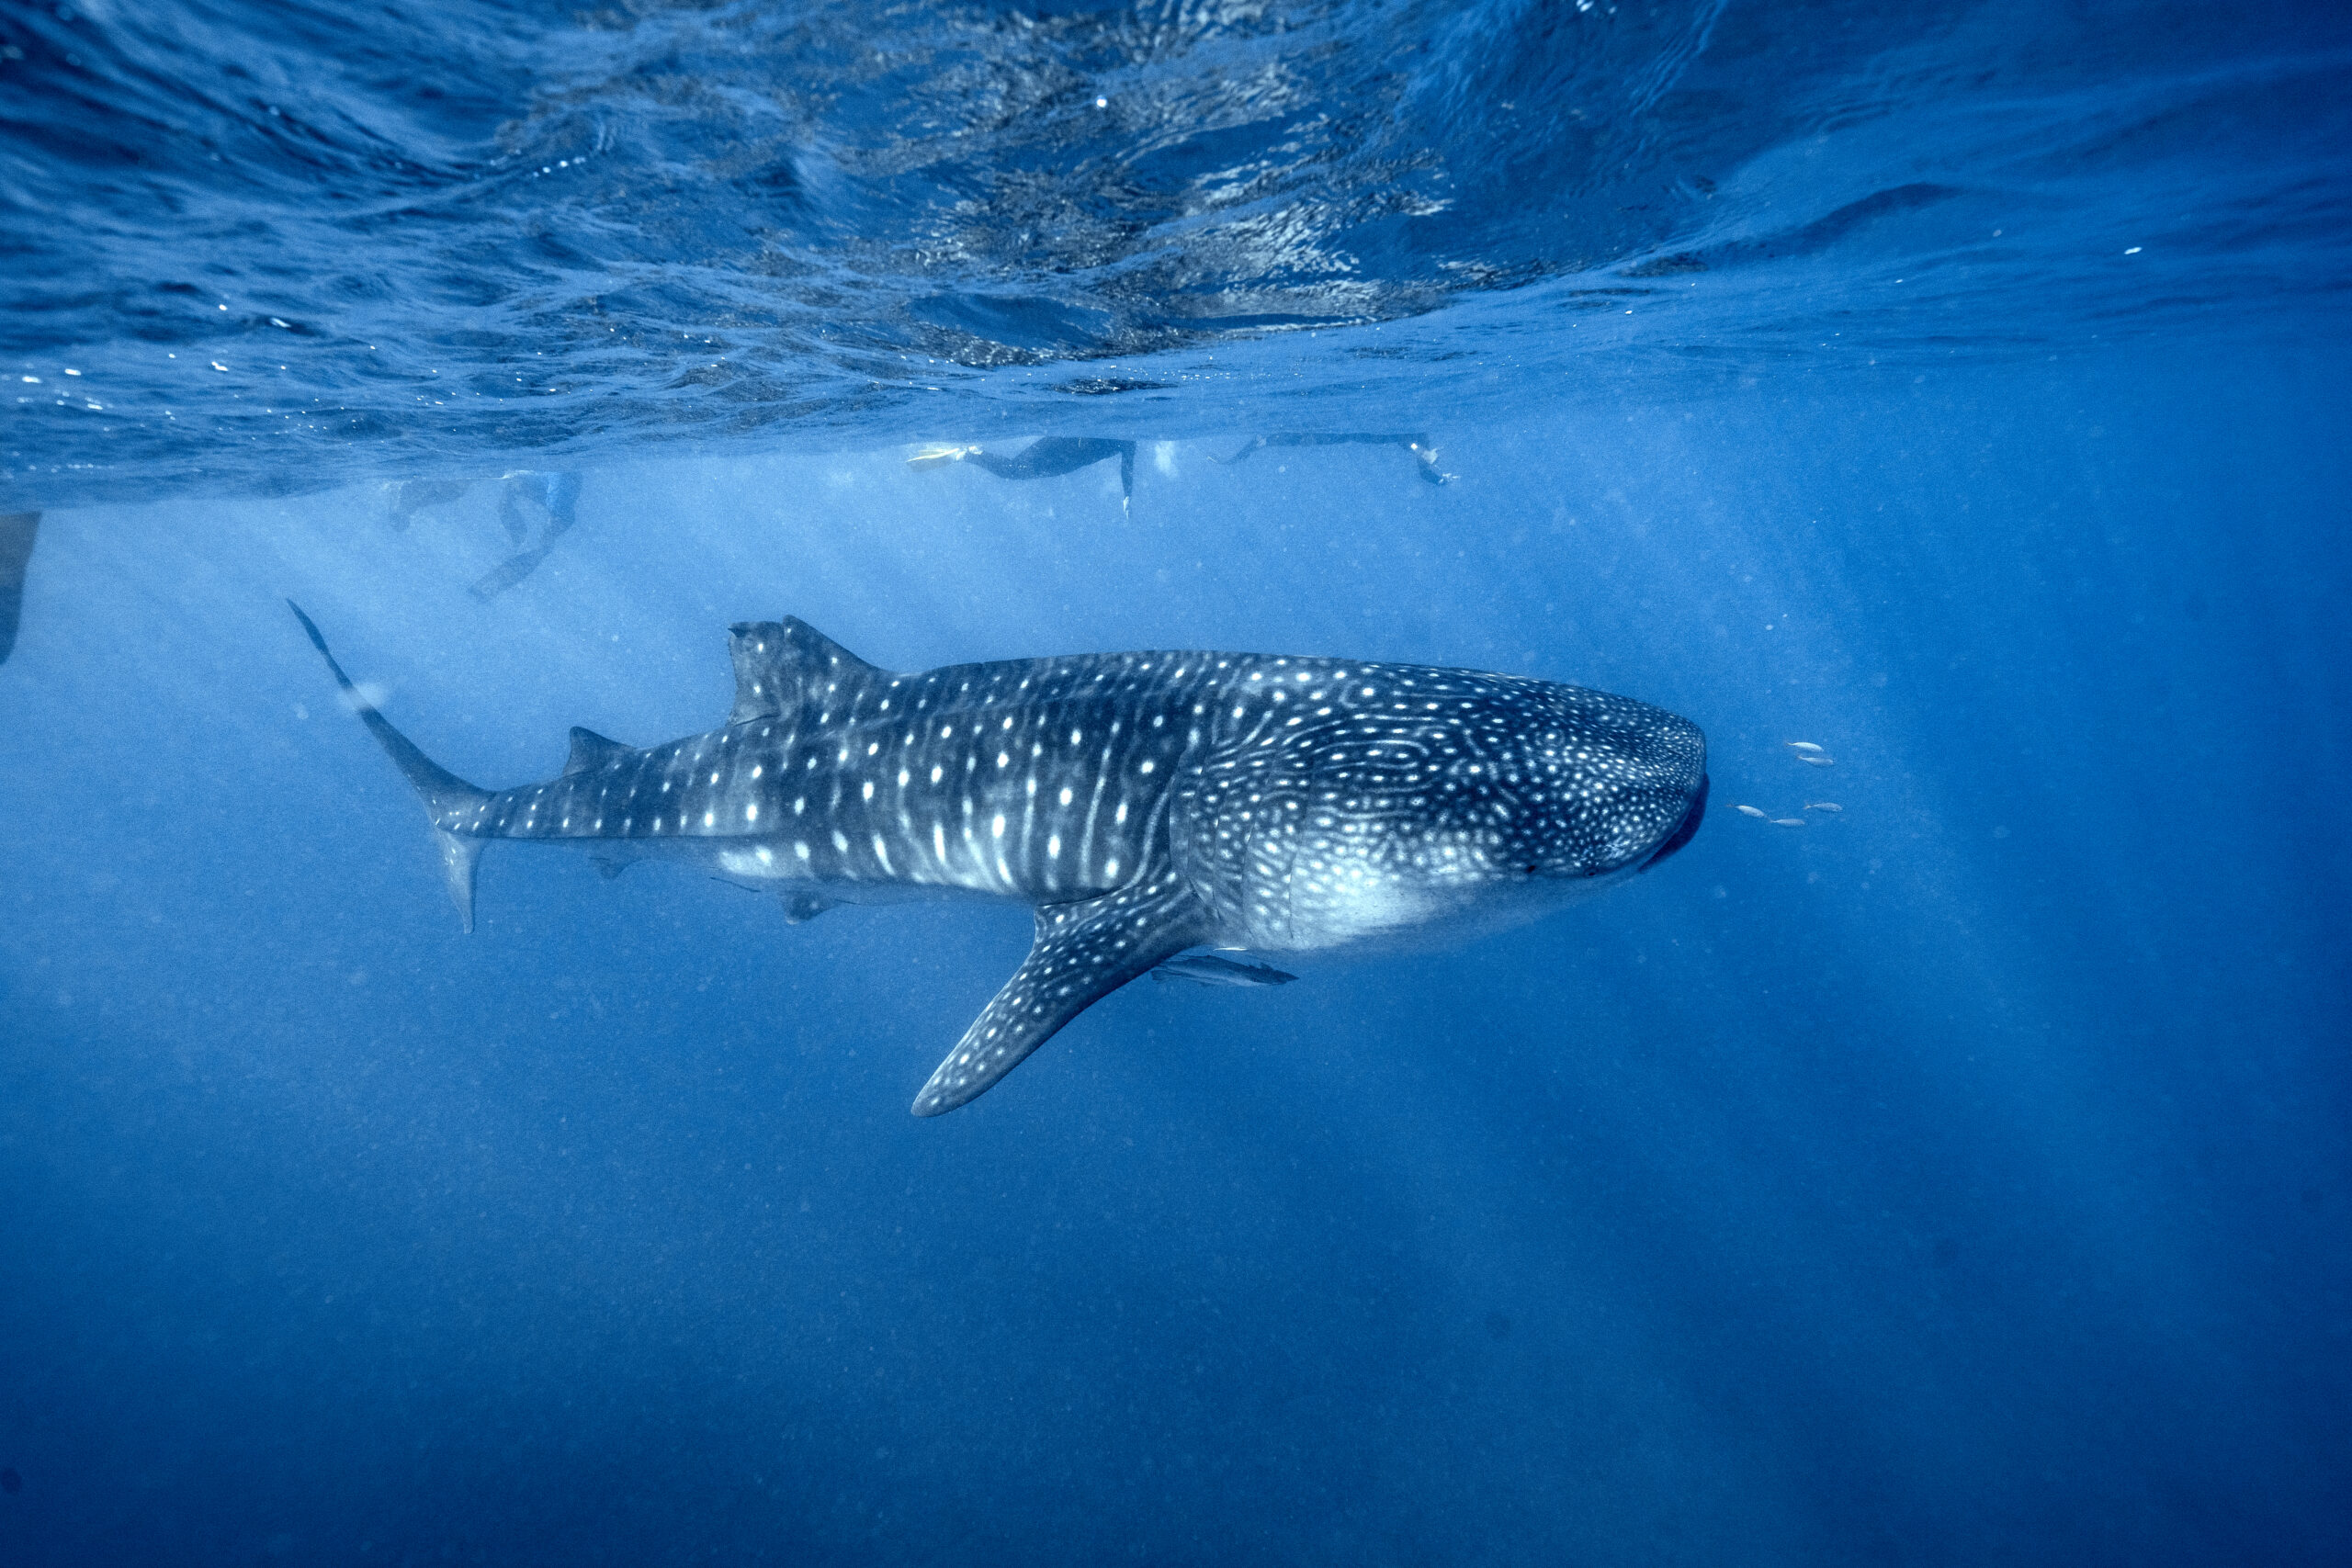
{"type": "Point", "coordinates": [777, 661]}
{"type": "Point", "coordinates": [590, 749]}
{"type": "Point", "coordinates": [1083, 953]}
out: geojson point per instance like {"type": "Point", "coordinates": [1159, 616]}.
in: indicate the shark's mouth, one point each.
{"type": "Point", "coordinates": [1685, 832]}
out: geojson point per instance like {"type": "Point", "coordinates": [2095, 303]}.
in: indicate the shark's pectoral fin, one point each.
{"type": "Point", "coordinates": [1083, 953]}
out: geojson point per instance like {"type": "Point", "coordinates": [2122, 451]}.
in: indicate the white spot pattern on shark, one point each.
{"type": "Point", "coordinates": [1274, 802]}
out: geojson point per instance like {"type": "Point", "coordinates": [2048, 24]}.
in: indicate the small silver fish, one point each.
{"type": "Point", "coordinates": [1820, 762]}
{"type": "Point", "coordinates": [1800, 746]}
{"type": "Point", "coordinates": [1209, 969]}
{"type": "Point", "coordinates": [1788, 821]}
{"type": "Point", "coordinates": [1748, 811]}
{"type": "Point", "coordinates": [1823, 806]}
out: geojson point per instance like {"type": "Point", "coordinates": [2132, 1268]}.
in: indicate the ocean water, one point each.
{"type": "Point", "coordinates": [1960, 1177]}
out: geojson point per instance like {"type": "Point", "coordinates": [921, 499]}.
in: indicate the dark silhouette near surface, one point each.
{"type": "Point", "coordinates": [1424, 454]}
{"type": "Point", "coordinates": [414, 496]}
{"type": "Point", "coordinates": [547, 502]}
{"type": "Point", "coordinates": [16, 529]}
{"type": "Point", "coordinates": [528, 501]}
{"type": "Point", "coordinates": [1046, 458]}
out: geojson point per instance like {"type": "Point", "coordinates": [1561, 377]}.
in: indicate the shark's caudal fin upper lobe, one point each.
{"type": "Point", "coordinates": [446, 795]}
{"type": "Point", "coordinates": [1083, 953]}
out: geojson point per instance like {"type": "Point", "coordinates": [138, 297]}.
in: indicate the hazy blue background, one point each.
{"type": "Point", "coordinates": [1962, 1178]}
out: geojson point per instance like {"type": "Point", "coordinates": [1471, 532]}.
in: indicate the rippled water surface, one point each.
{"type": "Point", "coordinates": [288, 245]}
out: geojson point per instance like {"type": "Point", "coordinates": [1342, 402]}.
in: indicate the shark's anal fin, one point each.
{"type": "Point", "coordinates": [590, 749]}
{"type": "Point", "coordinates": [1083, 953]}
{"type": "Point", "coordinates": [781, 664]}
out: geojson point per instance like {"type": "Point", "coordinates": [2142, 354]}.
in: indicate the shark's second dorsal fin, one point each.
{"type": "Point", "coordinates": [776, 662]}
{"type": "Point", "coordinates": [590, 749]}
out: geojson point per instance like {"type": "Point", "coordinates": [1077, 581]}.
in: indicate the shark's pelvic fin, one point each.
{"type": "Point", "coordinates": [800, 904]}
{"type": "Point", "coordinates": [777, 663]}
{"type": "Point", "coordinates": [590, 750]}
{"type": "Point", "coordinates": [1083, 953]}
{"type": "Point", "coordinates": [447, 798]}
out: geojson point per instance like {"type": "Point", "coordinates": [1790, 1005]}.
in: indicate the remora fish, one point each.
{"type": "Point", "coordinates": [1145, 803]}
{"type": "Point", "coordinates": [1209, 969]}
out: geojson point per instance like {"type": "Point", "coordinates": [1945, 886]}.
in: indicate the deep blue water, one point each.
{"type": "Point", "coordinates": [1964, 1177]}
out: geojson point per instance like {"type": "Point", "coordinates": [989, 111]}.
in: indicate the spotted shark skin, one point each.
{"type": "Point", "coordinates": [1142, 803]}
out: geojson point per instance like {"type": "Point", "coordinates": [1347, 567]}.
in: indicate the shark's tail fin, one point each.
{"type": "Point", "coordinates": [451, 802]}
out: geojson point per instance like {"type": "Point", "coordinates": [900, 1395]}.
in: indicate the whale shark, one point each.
{"type": "Point", "coordinates": [1143, 804]}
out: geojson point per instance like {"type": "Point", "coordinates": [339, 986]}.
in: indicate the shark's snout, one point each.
{"type": "Point", "coordinates": [1687, 829]}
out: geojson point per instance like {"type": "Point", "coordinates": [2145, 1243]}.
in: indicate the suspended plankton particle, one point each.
{"type": "Point", "coordinates": [1823, 806]}
{"type": "Point", "coordinates": [1747, 811]}
{"type": "Point", "coordinates": [1800, 746]}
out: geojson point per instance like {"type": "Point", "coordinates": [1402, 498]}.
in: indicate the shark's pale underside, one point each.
{"type": "Point", "coordinates": [1144, 803]}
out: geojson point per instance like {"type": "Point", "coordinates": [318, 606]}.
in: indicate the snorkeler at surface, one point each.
{"type": "Point", "coordinates": [410, 497]}
{"type": "Point", "coordinates": [1424, 454]}
{"type": "Point", "coordinates": [550, 501]}
{"type": "Point", "coordinates": [527, 499]}
{"type": "Point", "coordinates": [16, 529]}
{"type": "Point", "coordinates": [1044, 458]}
